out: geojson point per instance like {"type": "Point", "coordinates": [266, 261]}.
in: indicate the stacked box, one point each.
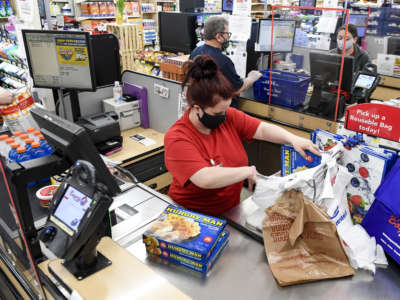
{"type": "Point", "coordinates": [171, 257]}
{"type": "Point", "coordinates": [292, 161]}
{"type": "Point", "coordinates": [184, 234]}
{"type": "Point", "coordinates": [367, 165]}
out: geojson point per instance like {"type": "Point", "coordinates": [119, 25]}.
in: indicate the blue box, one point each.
{"type": "Point", "coordinates": [182, 231]}
{"type": "Point", "coordinates": [383, 218]}
{"type": "Point", "coordinates": [292, 161]}
{"type": "Point", "coordinates": [194, 265]}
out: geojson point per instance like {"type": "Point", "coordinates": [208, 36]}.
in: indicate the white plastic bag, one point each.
{"type": "Point", "coordinates": [325, 185]}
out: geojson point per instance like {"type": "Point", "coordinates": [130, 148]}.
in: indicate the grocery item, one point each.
{"type": "Point", "coordinates": [201, 267]}
{"type": "Point", "coordinates": [45, 194]}
{"type": "Point", "coordinates": [292, 161]}
{"type": "Point", "coordinates": [190, 234]}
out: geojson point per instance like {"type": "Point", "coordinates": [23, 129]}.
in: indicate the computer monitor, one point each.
{"type": "Point", "coordinates": [170, 40]}
{"type": "Point", "coordinates": [227, 5]}
{"type": "Point", "coordinates": [106, 58]}
{"type": "Point", "coordinates": [60, 59]}
{"type": "Point", "coordinates": [325, 72]}
{"type": "Point", "coordinates": [359, 20]}
{"type": "Point", "coordinates": [73, 143]}
{"type": "Point", "coordinates": [283, 37]}
{"type": "Point", "coordinates": [392, 45]}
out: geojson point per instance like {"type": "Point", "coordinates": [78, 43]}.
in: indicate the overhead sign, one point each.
{"type": "Point", "coordinates": [374, 119]}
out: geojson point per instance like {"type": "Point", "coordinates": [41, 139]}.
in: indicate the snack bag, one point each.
{"type": "Point", "coordinates": [301, 242]}
{"type": "Point", "coordinates": [17, 115]}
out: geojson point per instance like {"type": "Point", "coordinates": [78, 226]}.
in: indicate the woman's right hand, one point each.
{"type": "Point", "coordinates": [252, 177]}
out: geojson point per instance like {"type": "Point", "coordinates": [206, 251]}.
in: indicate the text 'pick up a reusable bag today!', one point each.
{"type": "Point", "coordinates": [301, 242]}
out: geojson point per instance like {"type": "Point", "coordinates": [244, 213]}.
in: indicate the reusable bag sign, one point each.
{"type": "Point", "coordinates": [301, 242]}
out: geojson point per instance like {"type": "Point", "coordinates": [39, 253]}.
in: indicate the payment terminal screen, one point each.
{"type": "Point", "coordinates": [72, 208]}
{"type": "Point", "coordinates": [283, 36]}
{"type": "Point", "coordinates": [365, 81]}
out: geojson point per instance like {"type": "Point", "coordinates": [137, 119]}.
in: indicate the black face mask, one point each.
{"type": "Point", "coordinates": [225, 45]}
{"type": "Point", "coordinates": [211, 122]}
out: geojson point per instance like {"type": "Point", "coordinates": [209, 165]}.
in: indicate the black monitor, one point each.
{"type": "Point", "coordinates": [284, 31]}
{"type": "Point", "coordinates": [325, 71]}
{"type": "Point", "coordinates": [392, 45]}
{"type": "Point", "coordinates": [227, 5]}
{"type": "Point", "coordinates": [106, 59]}
{"type": "Point", "coordinates": [73, 143]}
{"type": "Point", "coordinates": [360, 21]}
{"type": "Point", "coordinates": [170, 39]}
{"type": "Point", "coordinates": [60, 59]}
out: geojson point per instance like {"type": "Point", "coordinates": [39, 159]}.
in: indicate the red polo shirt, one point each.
{"type": "Point", "coordinates": [187, 150]}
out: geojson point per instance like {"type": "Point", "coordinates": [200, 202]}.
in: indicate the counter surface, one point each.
{"type": "Point", "coordinates": [242, 272]}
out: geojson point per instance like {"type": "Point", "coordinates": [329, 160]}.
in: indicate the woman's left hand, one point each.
{"type": "Point", "coordinates": [301, 145]}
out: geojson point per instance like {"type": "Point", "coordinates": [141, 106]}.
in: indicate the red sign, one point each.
{"type": "Point", "coordinates": [378, 120]}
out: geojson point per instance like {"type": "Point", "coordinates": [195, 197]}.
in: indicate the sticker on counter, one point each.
{"type": "Point", "coordinates": [142, 139]}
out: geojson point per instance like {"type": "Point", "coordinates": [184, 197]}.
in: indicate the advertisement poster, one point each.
{"type": "Point", "coordinates": [388, 65]}
{"type": "Point", "coordinates": [242, 7]}
{"type": "Point", "coordinates": [72, 52]}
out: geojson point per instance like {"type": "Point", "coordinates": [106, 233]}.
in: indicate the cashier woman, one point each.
{"type": "Point", "coordinates": [204, 150]}
{"type": "Point", "coordinates": [361, 57]}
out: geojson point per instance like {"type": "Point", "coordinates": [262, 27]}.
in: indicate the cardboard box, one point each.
{"type": "Point", "coordinates": [383, 218]}
{"type": "Point", "coordinates": [194, 265]}
{"type": "Point", "coordinates": [292, 161]}
{"type": "Point", "coordinates": [187, 233]}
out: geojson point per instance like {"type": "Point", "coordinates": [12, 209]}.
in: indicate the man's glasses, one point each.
{"type": "Point", "coordinates": [228, 33]}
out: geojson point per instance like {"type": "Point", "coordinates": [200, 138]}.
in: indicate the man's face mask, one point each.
{"type": "Point", "coordinates": [210, 121]}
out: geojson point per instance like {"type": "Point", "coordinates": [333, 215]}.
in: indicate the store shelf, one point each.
{"type": "Point", "coordinates": [60, 1]}
{"type": "Point", "coordinates": [149, 12]}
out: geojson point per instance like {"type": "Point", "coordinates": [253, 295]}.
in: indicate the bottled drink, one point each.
{"type": "Point", "coordinates": [36, 133]}
{"type": "Point", "coordinates": [37, 150]}
{"type": "Point", "coordinates": [31, 132]}
{"type": "Point", "coordinates": [12, 154]}
{"type": "Point", "coordinates": [9, 10]}
{"type": "Point", "coordinates": [7, 148]}
{"type": "Point", "coordinates": [117, 92]}
{"type": "Point", "coordinates": [28, 144]}
{"type": "Point", "coordinates": [45, 145]}
{"type": "Point", "coordinates": [22, 155]}
{"type": "Point", "coordinates": [2, 10]}
{"type": "Point", "coordinates": [16, 136]}
{"type": "Point", "coordinates": [3, 145]}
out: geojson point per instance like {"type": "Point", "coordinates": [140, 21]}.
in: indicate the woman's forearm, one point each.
{"type": "Point", "coordinates": [218, 177]}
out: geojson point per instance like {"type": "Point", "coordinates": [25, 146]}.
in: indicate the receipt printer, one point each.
{"type": "Point", "coordinates": [103, 129]}
{"type": "Point", "coordinates": [128, 112]}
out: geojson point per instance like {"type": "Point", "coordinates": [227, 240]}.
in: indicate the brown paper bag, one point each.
{"type": "Point", "coordinates": [301, 242]}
